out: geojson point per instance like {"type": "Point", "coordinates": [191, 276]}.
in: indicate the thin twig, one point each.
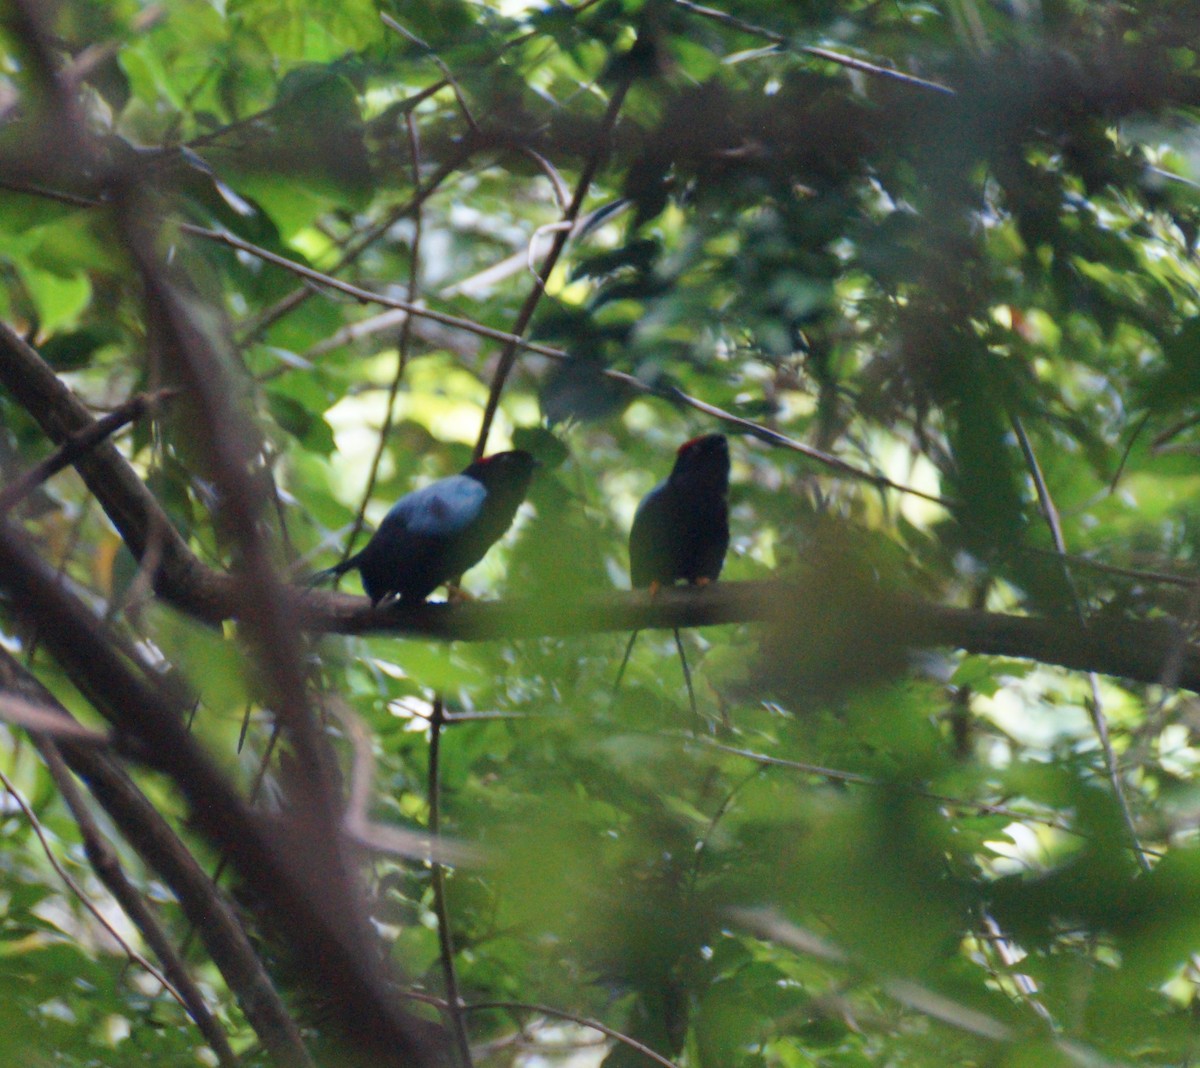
{"type": "Point", "coordinates": [766, 923]}
{"type": "Point", "coordinates": [371, 235]}
{"type": "Point", "coordinates": [1096, 706]}
{"type": "Point", "coordinates": [1127, 452]}
{"type": "Point", "coordinates": [95, 55]}
{"type": "Point", "coordinates": [984, 808]}
{"type": "Point", "coordinates": [363, 241]}
{"type": "Point", "coordinates": [454, 1006]}
{"type": "Point", "coordinates": [364, 296]}
{"type": "Point", "coordinates": [105, 863]}
{"type": "Point", "coordinates": [80, 443]}
{"type": "Point", "coordinates": [773, 437]}
{"type": "Point", "coordinates": [1025, 985]}
{"type": "Point", "coordinates": [448, 77]}
{"type": "Point", "coordinates": [162, 851]}
{"type": "Point", "coordinates": [33, 189]}
{"type": "Point", "coordinates": [1137, 574]}
{"type": "Point", "coordinates": [256, 785]}
{"type": "Point", "coordinates": [561, 193]}
{"type": "Point", "coordinates": [405, 342]}
{"type": "Point", "coordinates": [77, 890]}
{"type": "Point", "coordinates": [356, 820]}
{"type": "Point", "coordinates": [508, 355]}
{"type": "Point", "coordinates": [700, 851]}
{"type": "Point", "coordinates": [515, 340]}
{"type": "Point", "coordinates": [820, 53]}
{"type": "Point", "coordinates": [583, 1021]}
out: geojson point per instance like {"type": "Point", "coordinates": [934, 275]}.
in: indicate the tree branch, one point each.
{"type": "Point", "coordinates": [161, 849]}
{"type": "Point", "coordinates": [454, 1006]}
{"type": "Point", "coordinates": [1134, 650]}
{"type": "Point", "coordinates": [277, 861]}
{"type": "Point", "coordinates": [180, 578]}
{"type": "Point", "coordinates": [1128, 649]}
{"type": "Point", "coordinates": [357, 981]}
{"type": "Point", "coordinates": [107, 866]}
{"type": "Point", "coordinates": [508, 356]}
{"type": "Point", "coordinates": [80, 443]}
{"type": "Point", "coordinates": [781, 41]}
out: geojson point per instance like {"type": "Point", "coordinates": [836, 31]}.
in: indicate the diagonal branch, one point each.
{"type": "Point", "coordinates": [582, 1021]}
{"type": "Point", "coordinates": [107, 866]}
{"type": "Point", "coordinates": [766, 923]}
{"type": "Point", "coordinates": [78, 444]}
{"type": "Point", "coordinates": [77, 890]}
{"type": "Point", "coordinates": [357, 979]}
{"type": "Point", "coordinates": [508, 355]}
{"type": "Point", "coordinates": [781, 41]}
{"type": "Point", "coordinates": [280, 865]}
{"type": "Point", "coordinates": [132, 508]}
{"type": "Point", "coordinates": [402, 347]}
{"type": "Point", "coordinates": [160, 848]}
{"type": "Point", "coordinates": [1096, 706]}
{"type": "Point", "coordinates": [515, 341]}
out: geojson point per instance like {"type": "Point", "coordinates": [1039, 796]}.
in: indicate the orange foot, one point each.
{"type": "Point", "coordinates": [703, 581]}
{"type": "Point", "coordinates": [457, 595]}
{"type": "Point", "coordinates": [655, 586]}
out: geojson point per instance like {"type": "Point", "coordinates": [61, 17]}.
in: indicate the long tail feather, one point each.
{"type": "Point", "coordinates": [687, 674]}
{"type": "Point", "coordinates": [624, 663]}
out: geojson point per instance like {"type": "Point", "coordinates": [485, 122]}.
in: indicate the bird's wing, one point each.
{"type": "Point", "coordinates": [446, 507]}
{"type": "Point", "coordinates": [650, 539]}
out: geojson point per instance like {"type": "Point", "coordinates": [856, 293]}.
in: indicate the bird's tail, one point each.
{"type": "Point", "coordinates": [624, 662]}
{"type": "Point", "coordinates": [318, 577]}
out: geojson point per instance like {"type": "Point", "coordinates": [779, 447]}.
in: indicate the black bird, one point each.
{"type": "Point", "coordinates": [681, 529]}
{"type": "Point", "coordinates": [442, 530]}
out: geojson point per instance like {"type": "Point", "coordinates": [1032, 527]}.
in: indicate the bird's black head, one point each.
{"type": "Point", "coordinates": [703, 460]}
{"type": "Point", "coordinates": [507, 472]}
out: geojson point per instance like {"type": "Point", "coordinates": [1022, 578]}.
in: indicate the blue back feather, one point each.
{"type": "Point", "coordinates": [442, 508]}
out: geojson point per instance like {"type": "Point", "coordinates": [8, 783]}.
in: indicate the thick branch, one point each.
{"type": "Point", "coordinates": [1135, 650]}
{"type": "Point", "coordinates": [180, 577]}
{"type": "Point", "coordinates": [78, 445]}
{"type": "Point", "coordinates": [145, 829]}
{"type": "Point", "coordinates": [281, 867]}
{"type": "Point", "coordinates": [107, 866]}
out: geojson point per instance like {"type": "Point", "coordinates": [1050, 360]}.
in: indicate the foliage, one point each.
{"type": "Point", "coordinates": [950, 244]}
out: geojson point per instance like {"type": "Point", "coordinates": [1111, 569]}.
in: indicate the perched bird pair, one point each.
{"type": "Point", "coordinates": [680, 531]}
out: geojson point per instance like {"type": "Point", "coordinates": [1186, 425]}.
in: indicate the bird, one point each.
{"type": "Point", "coordinates": [441, 530]}
{"type": "Point", "coordinates": [681, 530]}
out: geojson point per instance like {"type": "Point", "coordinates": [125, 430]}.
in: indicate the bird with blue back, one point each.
{"type": "Point", "coordinates": [436, 533]}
